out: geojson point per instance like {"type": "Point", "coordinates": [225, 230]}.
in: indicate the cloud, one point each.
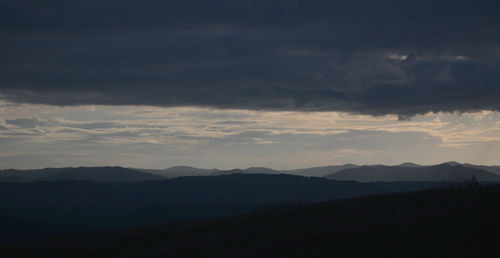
{"type": "Point", "coordinates": [365, 56]}
{"type": "Point", "coordinates": [195, 126]}
{"type": "Point", "coordinates": [161, 137]}
{"type": "Point", "coordinates": [24, 122]}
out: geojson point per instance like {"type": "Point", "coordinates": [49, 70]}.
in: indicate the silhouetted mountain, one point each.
{"type": "Point", "coordinates": [307, 172]}
{"type": "Point", "coordinates": [314, 171]}
{"type": "Point", "coordinates": [120, 175]}
{"type": "Point", "coordinates": [451, 163]}
{"type": "Point", "coordinates": [96, 174]}
{"type": "Point", "coordinates": [190, 171]}
{"type": "Point", "coordinates": [236, 171]}
{"type": "Point", "coordinates": [456, 222]}
{"type": "Point", "coordinates": [85, 202]}
{"type": "Point", "coordinates": [442, 172]}
{"type": "Point", "coordinates": [260, 170]}
{"type": "Point", "coordinates": [492, 169]}
{"type": "Point", "coordinates": [319, 171]}
{"type": "Point", "coordinates": [409, 164]}
{"type": "Point", "coordinates": [180, 171]}
{"type": "Point", "coordinates": [252, 170]}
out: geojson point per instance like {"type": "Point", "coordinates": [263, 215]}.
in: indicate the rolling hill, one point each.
{"type": "Point", "coordinates": [307, 172]}
{"type": "Point", "coordinates": [455, 222]}
{"type": "Point", "coordinates": [403, 172]}
{"type": "Point", "coordinates": [96, 174]}
{"type": "Point", "coordinates": [101, 204]}
{"type": "Point", "coordinates": [437, 173]}
{"type": "Point", "coordinates": [179, 171]}
{"type": "Point", "coordinates": [492, 169]}
{"type": "Point", "coordinates": [319, 171]}
{"type": "Point", "coordinates": [17, 230]}
{"type": "Point", "coordinates": [191, 171]}
{"type": "Point", "coordinates": [251, 170]}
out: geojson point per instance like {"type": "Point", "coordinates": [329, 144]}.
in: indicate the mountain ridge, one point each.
{"type": "Point", "coordinates": [107, 174]}
{"type": "Point", "coordinates": [450, 172]}
{"type": "Point", "coordinates": [137, 174]}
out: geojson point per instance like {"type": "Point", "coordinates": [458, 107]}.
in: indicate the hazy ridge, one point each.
{"type": "Point", "coordinates": [449, 171]}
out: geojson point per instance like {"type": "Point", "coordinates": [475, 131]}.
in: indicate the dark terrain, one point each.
{"type": "Point", "coordinates": [452, 222]}
{"type": "Point", "coordinates": [121, 212]}
{"type": "Point", "coordinates": [114, 205]}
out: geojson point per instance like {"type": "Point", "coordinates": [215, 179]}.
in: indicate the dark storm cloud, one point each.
{"type": "Point", "coordinates": [373, 57]}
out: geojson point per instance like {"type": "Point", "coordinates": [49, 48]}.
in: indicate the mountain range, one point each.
{"type": "Point", "coordinates": [442, 172]}
{"type": "Point", "coordinates": [54, 202]}
{"type": "Point", "coordinates": [450, 171]}
{"type": "Point", "coordinates": [96, 174]}
{"type": "Point", "coordinates": [179, 171]}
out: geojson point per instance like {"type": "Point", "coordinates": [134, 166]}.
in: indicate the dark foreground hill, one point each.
{"type": "Point", "coordinates": [457, 222]}
{"type": "Point", "coordinates": [18, 230]}
{"type": "Point", "coordinates": [153, 202]}
{"type": "Point", "coordinates": [438, 173]}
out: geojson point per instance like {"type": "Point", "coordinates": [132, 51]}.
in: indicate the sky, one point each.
{"type": "Point", "coordinates": [239, 83]}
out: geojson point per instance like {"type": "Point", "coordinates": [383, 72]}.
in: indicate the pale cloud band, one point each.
{"type": "Point", "coordinates": [155, 137]}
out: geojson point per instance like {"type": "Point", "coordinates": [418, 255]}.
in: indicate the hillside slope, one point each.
{"type": "Point", "coordinates": [95, 174]}
{"type": "Point", "coordinates": [437, 173]}
{"type": "Point", "coordinates": [319, 171]}
{"type": "Point", "coordinates": [153, 202]}
{"type": "Point", "coordinates": [460, 222]}
{"type": "Point", "coordinates": [180, 171]}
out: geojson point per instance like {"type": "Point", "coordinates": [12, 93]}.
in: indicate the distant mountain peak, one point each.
{"type": "Point", "coordinates": [107, 174]}
{"type": "Point", "coordinates": [260, 170]}
{"type": "Point", "coordinates": [448, 172]}
{"type": "Point", "coordinates": [452, 163]}
{"type": "Point", "coordinates": [182, 167]}
{"type": "Point", "coordinates": [251, 170]}
{"type": "Point", "coordinates": [409, 164]}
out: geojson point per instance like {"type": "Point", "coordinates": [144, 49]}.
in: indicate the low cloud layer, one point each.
{"type": "Point", "coordinates": [370, 57]}
{"type": "Point", "coordinates": [34, 136]}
